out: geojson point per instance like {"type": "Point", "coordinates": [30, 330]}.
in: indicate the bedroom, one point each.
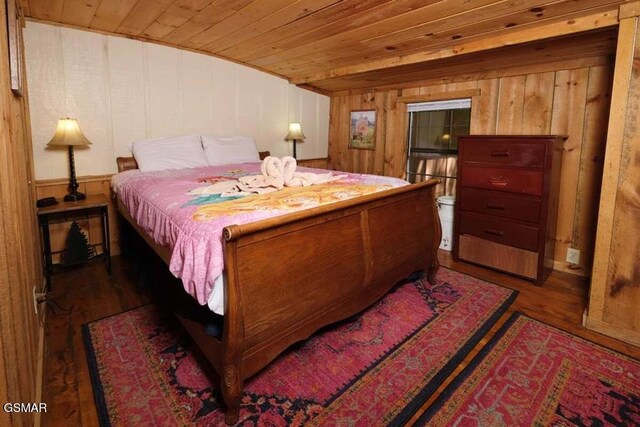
{"type": "Point", "coordinates": [529, 68]}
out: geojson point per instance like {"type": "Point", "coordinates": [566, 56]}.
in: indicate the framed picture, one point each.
{"type": "Point", "coordinates": [362, 129]}
{"type": "Point", "coordinates": [14, 36]}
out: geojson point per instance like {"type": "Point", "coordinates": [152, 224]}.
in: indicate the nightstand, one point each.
{"type": "Point", "coordinates": [91, 207]}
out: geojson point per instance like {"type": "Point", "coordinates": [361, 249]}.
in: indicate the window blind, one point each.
{"type": "Point", "coordinates": [452, 104]}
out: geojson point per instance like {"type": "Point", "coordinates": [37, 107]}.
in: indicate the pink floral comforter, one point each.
{"type": "Point", "coordinates": [191, 225]}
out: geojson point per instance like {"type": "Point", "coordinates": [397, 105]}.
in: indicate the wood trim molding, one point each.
{"type": "Point", "coordinates": [570, 64]}
{"type": "Point", "coordinates": [315, 159]}
{"type": "Point", "coordinates": [440, 96]}
{"type": "Point", "coordinates": [37, 419]}
{"type": "Point", "coordinates": [615, 331]}
{"type": "Point", "coordinates": [613, 157]}
{"type": "Point", "coordinates": [555, 29]}
{"type": "Point", "coordinates": [574, 270]}
{"type": "Point", "coordinates": [629, 10]}
{"type": "Point", "coordinates": [60, 181]}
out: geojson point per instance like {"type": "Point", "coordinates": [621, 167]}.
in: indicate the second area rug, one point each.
{"type": "Point", "coordinates": [532, 374]}
{"type": "Point", "coordinates": [375, 369]}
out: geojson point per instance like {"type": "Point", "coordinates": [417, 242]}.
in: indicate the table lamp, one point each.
{"type": "Point", "coordinates": [295, 134]}
{"type": "Point", "coordinates": [69, 134]}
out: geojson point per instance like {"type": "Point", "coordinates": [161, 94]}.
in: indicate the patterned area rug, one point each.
{"type": "Point", "coordinates": [375, 369]}
{"type": "Point", "coordinates": [532, 374]}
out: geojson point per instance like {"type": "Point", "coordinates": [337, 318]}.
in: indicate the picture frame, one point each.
{"type": "Point", "coordinates": [14, 37]}
{"type": "Point", "coordinates": [362, 129]}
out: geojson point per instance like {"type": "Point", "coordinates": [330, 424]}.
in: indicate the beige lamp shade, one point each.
{"type": "Point", "coordinates": [295, 133]}
{"type": "Point", "coordinates": [69, 133]}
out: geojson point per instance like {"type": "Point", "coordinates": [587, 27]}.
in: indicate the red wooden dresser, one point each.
{"type": "Point", "coordinates": [506, 202]}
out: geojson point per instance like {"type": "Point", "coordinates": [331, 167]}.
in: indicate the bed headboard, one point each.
{"type": "Point", "coordinates": [129, 163]}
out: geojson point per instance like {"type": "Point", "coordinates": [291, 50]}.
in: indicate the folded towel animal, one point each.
{"type": "Point", "coordinates": [304, 179]}
{"type": "Point", "coordinates": [271, 178]}
{"type": "Point", "coordinates": [276, 174]}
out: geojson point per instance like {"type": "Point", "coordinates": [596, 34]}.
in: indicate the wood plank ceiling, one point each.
{"type": "Point", "coordinates": [335, 45]}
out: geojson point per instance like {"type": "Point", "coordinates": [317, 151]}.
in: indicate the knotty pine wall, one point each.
{"type": "Point", "coordinates": [123, 90]}
{"type": "Point", "coordinates": [20, 264]}
{"type": "Point", "coordinates": [571, 102]}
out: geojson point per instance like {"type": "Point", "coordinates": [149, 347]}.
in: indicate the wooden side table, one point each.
{"type": "Point", "coordinates": [92, 206]}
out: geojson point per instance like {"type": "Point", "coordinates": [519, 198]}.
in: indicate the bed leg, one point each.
{"type": "Point", "coordinates": [433, 269]}
{"type": "Point", "coordinates": [231, 392]}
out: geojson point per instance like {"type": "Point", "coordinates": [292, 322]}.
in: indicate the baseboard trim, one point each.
{"type": "Point", "coordinates": [565, 267]}
{"type": "Point", "coordinates": [37, 419]}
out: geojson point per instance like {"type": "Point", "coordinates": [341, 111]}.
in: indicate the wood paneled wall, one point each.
{"type": "Point", "coordinates": [20, 264]}
{"type": "Point", "coordinates": [573, 102]}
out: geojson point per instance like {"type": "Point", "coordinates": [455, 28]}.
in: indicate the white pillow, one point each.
{"type": "Point", "coordinates": [227, 150]}
{"type": "Point", "coordinates": [179, 152]}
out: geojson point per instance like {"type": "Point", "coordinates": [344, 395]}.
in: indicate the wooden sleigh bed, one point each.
{"type": "Point", "coordinates": [289, 276]}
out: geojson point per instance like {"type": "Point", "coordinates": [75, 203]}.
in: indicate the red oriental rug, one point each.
{"type": "Point", "coordinates": [374, 369]}
{"type": "Point", "coordinates": [532, 374]}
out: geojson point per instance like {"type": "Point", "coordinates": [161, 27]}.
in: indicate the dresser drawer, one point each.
{"type": "Point", "coordinates": [501, 204]}
{"type": "Point", "coordinates": [499, 230]}
{"type": "Point", "coordinates": [507, 258]}
{"type": "Point", "coordinates": [509, 153]}
{"type": "Point", "coordinates": [502, 179]}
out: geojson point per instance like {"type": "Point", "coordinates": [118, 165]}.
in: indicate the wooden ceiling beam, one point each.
{"type": "Point", "coordinates": [438, 23]}
{"type": "Point", "coordinates": [443, 38]}
{"type": "Point", "coordinates": [570, 26]}
{"type": "Point", "coordinates": [471, 33]}
{"type": "Point", "coordinates": [507, 15]}
{"type": "Point", "coordinates": [570, 64]}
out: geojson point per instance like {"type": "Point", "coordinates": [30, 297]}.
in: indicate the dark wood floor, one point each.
{"type": "Point", "coordinates": [88, 293]}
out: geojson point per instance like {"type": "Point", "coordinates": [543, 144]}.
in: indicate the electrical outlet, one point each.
{"type": "Point", "coordinates": [573, 256]}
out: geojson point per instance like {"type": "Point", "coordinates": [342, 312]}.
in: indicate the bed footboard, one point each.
{"type": "Point", "coordinates": [289, 276]}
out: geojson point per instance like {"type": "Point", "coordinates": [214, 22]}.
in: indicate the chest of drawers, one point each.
{"type": "Point", "coordinates": [507, 200]}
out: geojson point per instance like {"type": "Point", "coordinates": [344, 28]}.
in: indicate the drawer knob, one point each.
{"type": "Point", "coordinates": [498, 181]}
{"type": "Point", "coordinates": [500, 153]}
{"type": "Point", "coordinates": [494, 232]}
{"type": "Point", "coordinates": [494, 206]}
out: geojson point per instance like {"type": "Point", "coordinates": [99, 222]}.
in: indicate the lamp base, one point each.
{"type": "Point", "coordinates": [74, 197]}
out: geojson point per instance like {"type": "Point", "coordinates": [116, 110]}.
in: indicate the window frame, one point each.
{"type": "Point", "coordinates": [403, 101]}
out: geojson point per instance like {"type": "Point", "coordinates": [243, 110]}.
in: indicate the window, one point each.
{"type": "Point", "coordinates": [432, 138]}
